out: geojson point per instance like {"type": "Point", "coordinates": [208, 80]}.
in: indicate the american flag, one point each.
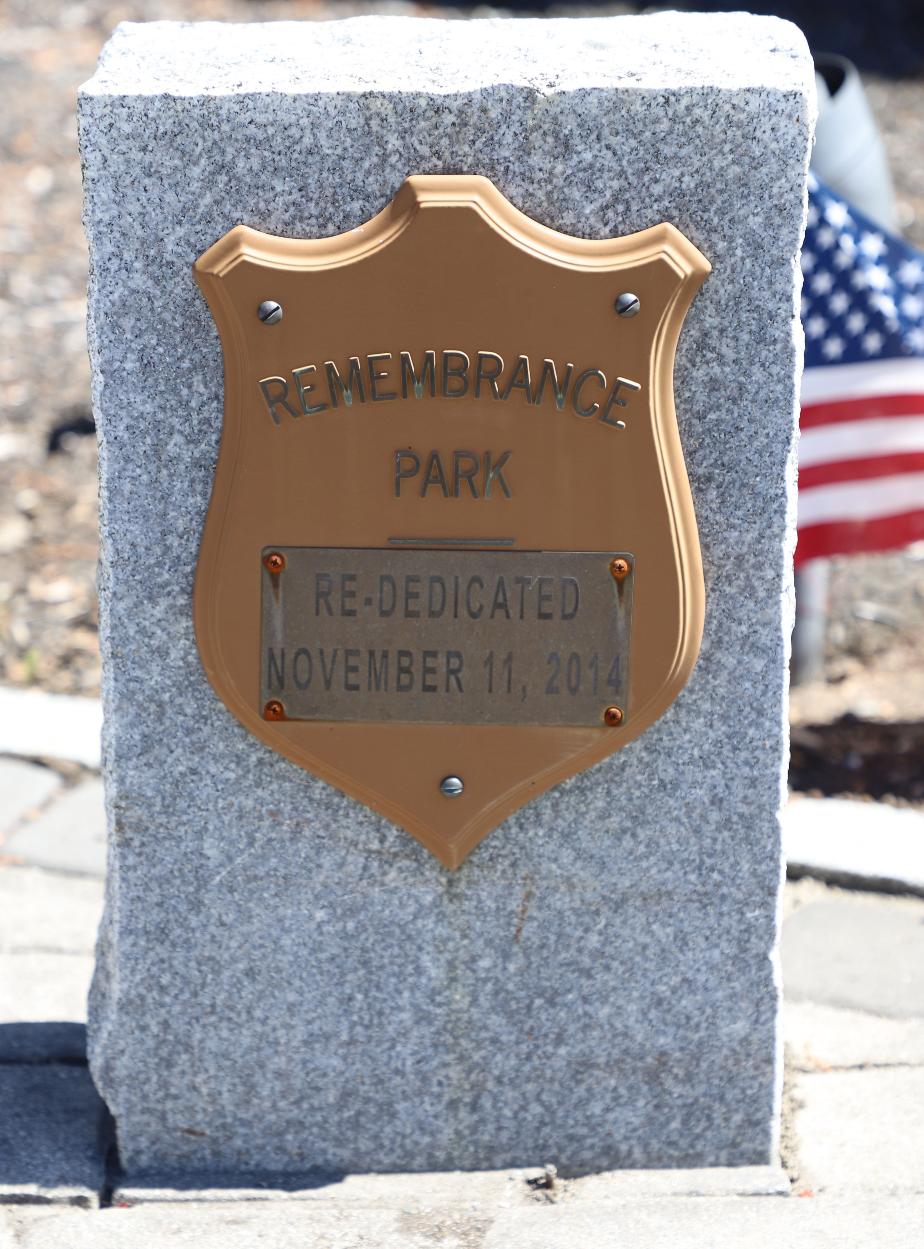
{"type": "Point", "coordinates": [861, 453]}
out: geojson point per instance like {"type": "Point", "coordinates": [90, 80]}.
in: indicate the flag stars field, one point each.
{"type": "Point", "coordinates": [872, 342]}
{"type": "Point", "coordinates": [872, 245]}
{"type": "Point", "coordinates": [826, 237]}
{"type": "Point", "coordinates": [839, 303]}
{"type": "Point", "coordinates": [837, 214]}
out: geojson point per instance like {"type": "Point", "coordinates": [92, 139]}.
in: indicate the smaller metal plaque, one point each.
{"type": "Point", "coordinates": [445, 637]}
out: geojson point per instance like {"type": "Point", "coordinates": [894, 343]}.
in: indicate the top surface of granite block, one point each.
{"type": "Point", "coordinates": [665, 50]}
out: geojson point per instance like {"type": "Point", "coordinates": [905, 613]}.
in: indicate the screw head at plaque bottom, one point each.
{"type": "Point", "coordinates": [452, 786]}
{"type": "Point", "coordinates": [613, 716]}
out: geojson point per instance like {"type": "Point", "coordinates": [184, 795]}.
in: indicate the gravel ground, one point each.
{"type": "Point", "coordinates": [47, 458]}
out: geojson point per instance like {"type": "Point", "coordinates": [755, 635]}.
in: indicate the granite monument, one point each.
{"type": "Point", "coordinates": [287, 982]}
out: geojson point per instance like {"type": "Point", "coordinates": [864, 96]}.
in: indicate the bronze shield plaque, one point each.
{"type": "Point", "coordinates": [451, 556]}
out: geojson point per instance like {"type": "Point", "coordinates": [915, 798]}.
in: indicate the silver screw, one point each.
{"type": "Point", "coordinates": [451, 786]}
{"type": "Point", "coordinates": [269, 312]}
{"type": "Point", "coordinates": [627, 304]}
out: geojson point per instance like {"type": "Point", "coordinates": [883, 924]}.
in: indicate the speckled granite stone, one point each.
{"type": "Point", "coordinates": [285, 981]}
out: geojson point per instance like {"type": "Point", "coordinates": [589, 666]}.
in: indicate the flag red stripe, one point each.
{"type": "Point", "coordinates": [886, 533]}
{"type": "Point", "coordinates": [866, 408]}
{"type": "Point", "coordinates": [861, 470]}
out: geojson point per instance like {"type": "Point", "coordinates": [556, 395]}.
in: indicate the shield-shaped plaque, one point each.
{"type": "Point", "coordinates": [451, 555]}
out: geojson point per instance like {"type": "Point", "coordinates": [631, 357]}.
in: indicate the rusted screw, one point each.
{"type": "Point", "coordinates": [620, 568]}
{"type": "Point", "coordinates": [274, 710]}
{"type": "Point", "coordinates": [612, 717]}
{"type": "Point", "coordinates": [274, 562]}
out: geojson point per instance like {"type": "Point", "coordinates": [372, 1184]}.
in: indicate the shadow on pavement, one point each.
{"type": "Point", "coordinates": [49, 1041]}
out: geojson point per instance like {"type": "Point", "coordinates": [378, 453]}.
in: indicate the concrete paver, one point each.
{"type": "Point", "coordinates": [862, 1131]}
{"type": "Point", "coordinates": [821, 1037]}
{"type": "Point", "coordinates": [67, 836]}
{"type": "Point", "coordinates": [493, 1189]}
{"type": "Point", "coordinates": [48, 929]}
{"type": "Point", "coordinates": [666, 1223]}
{"type": "Point", "coordinates": [703, 1182]}
{"type": "Point", "coordinates": [50, 1135]}
{"type": "Point", "coordinates": [23, 787]}
{"type": "Point", "coordinates": [859, 954]}
{"type": "Point", "coordinates": [41, 912]}
{"type": "Point", "coordinates": [36, 724]}
{"type": "Point", "coordinates": [41, 987]}
{"type": "Point", "coordinates": [47, 933]}
{"type": "Point", "coordinates": [852, 842]}
{"type": "Point", "coordinates": [8, 1237]}
{"type": "Point", "coordinates": [722, 1223]}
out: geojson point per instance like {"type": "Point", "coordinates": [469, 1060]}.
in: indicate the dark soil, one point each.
{"type": "Point", "coordinates": [854, 756]}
